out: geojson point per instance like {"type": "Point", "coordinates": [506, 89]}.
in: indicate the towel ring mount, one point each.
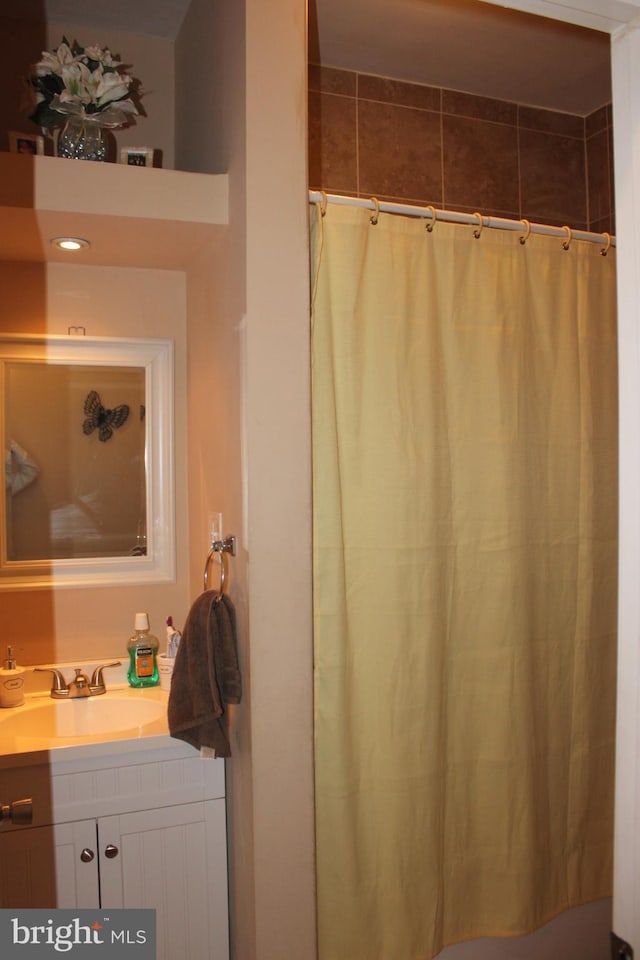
{"type": "Point", "coordinates": [222, 547]}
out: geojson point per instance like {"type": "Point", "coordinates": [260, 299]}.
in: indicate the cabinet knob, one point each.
{"type": "Point", "coordinates": [19, 812]}
{"type": "Point", "coordinates": [22, 811]}
{"type": "Point", "coordinates": [110, 851]}
{"type": "Point", "coordinates": [87, 855]}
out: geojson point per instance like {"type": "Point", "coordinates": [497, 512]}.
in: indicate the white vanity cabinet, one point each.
{"type": "Point", "coordinates": [155, 837]}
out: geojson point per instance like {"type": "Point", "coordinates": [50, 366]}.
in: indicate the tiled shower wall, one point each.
{"type": "Point", "coordinates": [376, 137]}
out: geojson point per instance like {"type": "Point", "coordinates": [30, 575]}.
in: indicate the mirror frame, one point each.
{"type": "Point", "coordinates": [159, 565]}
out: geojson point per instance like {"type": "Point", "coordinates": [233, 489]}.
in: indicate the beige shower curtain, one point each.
{"type": "Point", "coordinates": [465, 512]}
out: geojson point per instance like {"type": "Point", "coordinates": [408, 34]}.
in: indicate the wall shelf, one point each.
{"type": "Point", "coordinates": [133, 216]}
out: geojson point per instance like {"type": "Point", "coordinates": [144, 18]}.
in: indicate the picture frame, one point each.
{"type": "Point", "coordinates": [137, 156]}
{"type": "Point", "coordinates": [26, 143]}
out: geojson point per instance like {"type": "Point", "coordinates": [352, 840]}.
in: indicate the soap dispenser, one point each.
{"type": "Point", "coordinates": [143, 651]}
{"type": "Point", "coordinates": [11, 682]}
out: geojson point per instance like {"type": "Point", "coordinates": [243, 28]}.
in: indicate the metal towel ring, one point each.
{"type": "Point", "coordinates": [223, 547]}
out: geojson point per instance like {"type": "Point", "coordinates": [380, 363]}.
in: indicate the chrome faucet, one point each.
{"type": "Point", "coordinates": [80, 686]}
{"type": "Point", "coordinates": [97, 685]}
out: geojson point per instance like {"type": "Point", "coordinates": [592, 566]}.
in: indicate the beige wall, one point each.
{"type": "Point", "coordinates": [279, 482]}
{"type": "Point", "coordinates": [217, 375]}
{"type": "Point", "coordinates": [626, 107]}
{"type": "Point", "coordinates": [22, 41]}
{"type": "Point", "coordinates": [249, 457]}
{"type": "Point", "coordinates": [67, 624]}
{"type": "Point", "coordinates": [202, 80]}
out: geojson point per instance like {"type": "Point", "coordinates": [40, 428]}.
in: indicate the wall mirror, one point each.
{"type": "Point", "coordinates": [87, 433]}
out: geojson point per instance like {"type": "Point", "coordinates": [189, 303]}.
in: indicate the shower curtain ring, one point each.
{"type": "Point", "coordinates": [604, 252]}
{"type": "Point", "coordinates": [432, 221]}
{"type": "Point", "coordinates": [524, 238]}
{"type": "Point", "coordinates": [374, 218]}
{"type": "Point", "coordinates": [567, 243]}
{"type": "Point", "coordinates": [480, 226]}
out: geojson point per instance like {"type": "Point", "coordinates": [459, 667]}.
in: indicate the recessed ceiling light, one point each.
{"type": "Point", "coordinates": [70, 243]}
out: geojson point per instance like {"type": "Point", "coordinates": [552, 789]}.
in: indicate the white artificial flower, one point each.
{"type": "Point", "coordinates": [55, 62]}
{"type": "Point", "coordinates": [111, 87]}
{"type": "Point", "coordinates": [94, 53]}
{"type": "Point", "coordinates": [76, 79]}
{"type": "Point", "coordinates": [99, 95]}
{"type": "Point", "coordinates": [125, 106]}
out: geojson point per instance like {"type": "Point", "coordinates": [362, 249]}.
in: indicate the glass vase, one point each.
{"type": "Point", "coordinates": [82, 138]}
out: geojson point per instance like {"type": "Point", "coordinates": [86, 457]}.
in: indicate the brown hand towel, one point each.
{"type": "Point", "coordinates": [206, 675]}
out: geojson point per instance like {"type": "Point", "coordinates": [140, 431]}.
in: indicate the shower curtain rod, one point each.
{"type": "Point", "coordinates": [474, 219]}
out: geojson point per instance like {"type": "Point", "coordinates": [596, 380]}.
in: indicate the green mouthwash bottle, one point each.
{"type": "Point", "coordinates": [143, 650]}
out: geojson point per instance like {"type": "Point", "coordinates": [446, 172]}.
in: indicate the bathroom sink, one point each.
{"type": "Point", "coordinates": [111, 716]}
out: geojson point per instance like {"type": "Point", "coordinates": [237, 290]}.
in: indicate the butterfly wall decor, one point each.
{"type": "Point", "coordinates": [101, 419]}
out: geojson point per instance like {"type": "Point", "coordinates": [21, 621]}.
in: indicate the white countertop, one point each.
{"type": "Point", "coordinates": [60, 751]}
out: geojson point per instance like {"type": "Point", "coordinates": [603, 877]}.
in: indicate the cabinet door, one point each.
{"type": "Point", "coordinates": [174, 860]}
{"type": "Point", "coordinates": [49, 867]}
{"type": "Point", "coordinates": [77, 870]}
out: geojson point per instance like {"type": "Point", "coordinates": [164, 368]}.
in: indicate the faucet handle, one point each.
{"type": "Point", "coordinates": [59, 686]}
{"type": "Point", "coordinates": [97, 680]}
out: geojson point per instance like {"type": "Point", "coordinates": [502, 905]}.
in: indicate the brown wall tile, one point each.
{"type": "Point", "coordinates": [596, 121]}
{"type": "Point", "coordinates": [485, 211]}
{"type": "Point", "coordinates": [479, 108]}
{"type": "Point", "coordinates": [548, 121]}
{"type": "Point", "coordinates": [332, 143]}
{"type": "Point", "coordinates": [399, 152]}
{"type": "Point", "coordinates": [500, 158]}
{"type": "Point", "coordinates": [480, 164]}
{"type": "Point", "coordinates": [399, 92]}
{"type": "Point", "coordinates": [552, 179]}
{"type": "Point", "coordinates": [598, 176]}
{"type": "Point", "coordinates": [612, 189]}
{"type": "Point", "coordinates": [331, 80]}
{"type": "Point", "coordinates": [604, 225]}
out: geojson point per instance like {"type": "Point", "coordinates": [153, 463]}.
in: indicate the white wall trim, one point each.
{"type": "Point", "coordinates": [626, 104]}
{"type": "Point", "coordinates": [604, 15]}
